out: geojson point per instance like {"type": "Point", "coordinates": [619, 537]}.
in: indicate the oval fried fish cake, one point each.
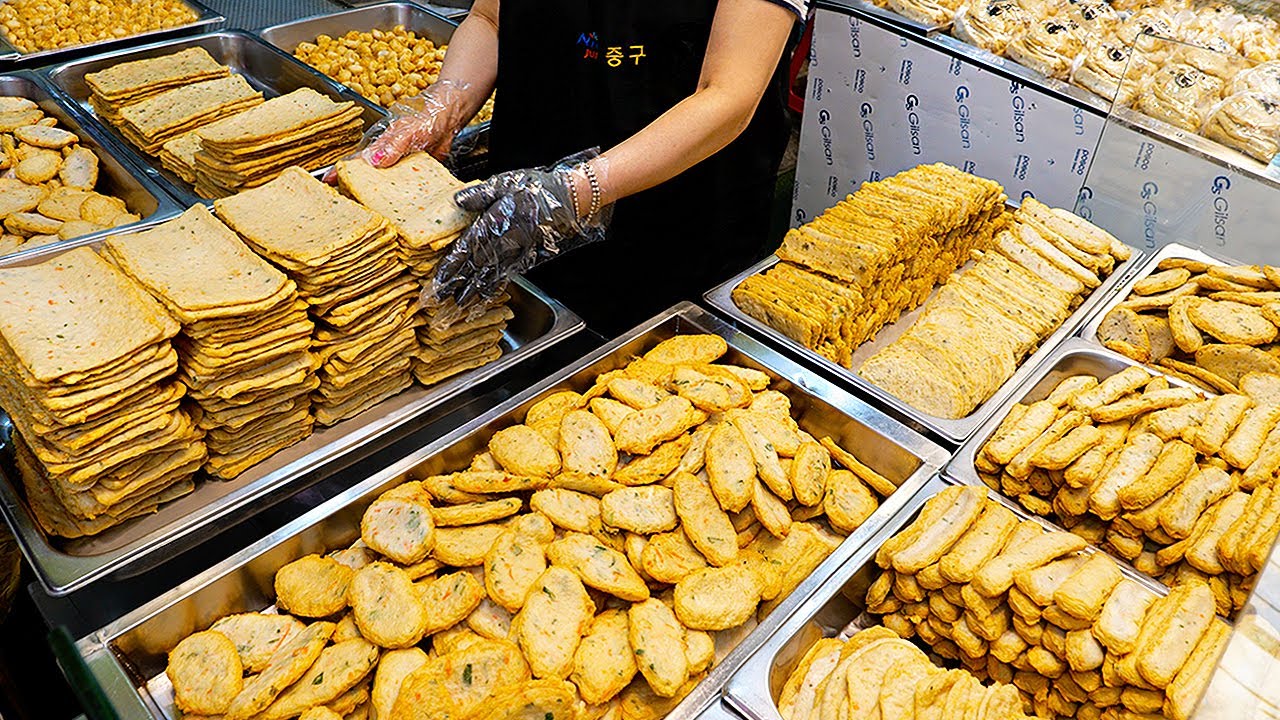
{"type": "Point", "coordinates": [393, 668]}
{"type": "Point", "coordinates": [533, 700]}
{"type": "Point", "coordinates": [688, 349]}
{"type": "Point", "coordinates": [604, 665]}
{"type": "Point", "coordinates": [646, 510]}
{"type": "Point", "coordinates": [206, 673]}
{"type": "Point", "coordinates": [554, 407]}
{"type": "Point", "coordinates": [554, 618]}
{"type": "Point", "coordinates": [288, 664]}
{"type": "Point", "coordinates": [490, 620]}
{"type": "Point", "coordinates": [657, 642]}
{"type": "Point", "coordinates": [466, 545]}
{"type": "Point", "coordinates": [320, 712]}
{"type": "Point", "coordinates": [399, 525]}
{"type": "Point", "coordinates": [313, 586]}
{"type": "Point", "coordinates": [669, 557]}
{"type": "Point", "coordinates": [457, 684]}
{"type": "Point", "coordinates": [586, 448]}
{"type": "Point", "coordinates": [474, 513]}
{"type": "Point", "coordinates": [598, 566]}
{"type": "Point", "coordinates": [522, 450]}
{"type": "Point", "coordinates": [386, 606]}
{"type": "Point", "coordinates": [339, 668]}
{"type": "Point", "coordinates": [717, 598]}
{"type": "Point", "coordinates": [257, 635]}
{"type": "Point", "coordinates": [570, 510]}
{"type": "Point", "coordinates": [514, 563]}
{"type": "Point", "coordinates": [707, 525]}
{"type": "Point", "coordinates": [449, 599]}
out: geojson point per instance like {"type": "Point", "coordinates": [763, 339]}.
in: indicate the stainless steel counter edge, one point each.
{"type": "Point", "coordinates": [1089, 331]}
{"type": "Point", "coordinates": [96, 646]}
{"type": "Point", "coordinates": [61, 573]}
{"type": "Point", "coordinates": [206, 17]}
{"type": "Point", "coordinates": [954, 431]}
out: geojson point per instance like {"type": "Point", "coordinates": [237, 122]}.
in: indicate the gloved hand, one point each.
{"type": "Point", "coordinates": [527, 217]}
{"type": "Point", "coordinates": [428, 121]}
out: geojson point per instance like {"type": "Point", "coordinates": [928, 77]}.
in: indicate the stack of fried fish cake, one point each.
{"type": "Point", "coordinates": [127, 83]}
{"type": "Point", "coordinates": [303, 129]}
{"type": "Point", "coordinates": [971, 337]}
{"type": "Point", "coordinates": [245, 347]}
{"type": "Point", "coordinates": [343, 258]}
{"type": "Point", "coordinates": [416, 196]}
{"type": "Point", "coordinates": [876, 254]}
{"type": "Point", "coordinates": [151, 122]}
{"type": "Point", "coordinates": [88, 382]}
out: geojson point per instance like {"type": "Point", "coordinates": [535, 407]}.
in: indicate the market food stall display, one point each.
{"type": "Point", "coordinates": [956, 448]}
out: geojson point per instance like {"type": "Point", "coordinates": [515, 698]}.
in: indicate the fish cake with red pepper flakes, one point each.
{"type": "Point", "coordinates": [339, 668]}
{"type": "Point", "coordinates": [533, 700]}
{"type": "Point", "coordinates": [688, 349]}
{"type": "Point", "coordinates": [516, 559]}
{"type": "Point", "coordinates": [600, 567]}
{"type": "Point", "coordinates": [386, 606]}
{"type": "Point", "coordinates": [657, 641]}
{"type": "Point", "coordinates": [257, 635]}
{"type": "Point", "coordinates": [288, 664]}
{"type": "Point", "coordinates": [586, 447]}
{"type": "Point", "coordinates": [457, 684]}
{"type": "Point", "coordinates": [522, 450]}
{"type": "Point", "coordinates": [449, 599]}
{"type": "Point", "coordinates": [206, 673]}
{"type": "Point", "coordinates": [604, 665]}
{"type": "Point", "coordinates": [399, 525]}
{"type": "Point", "coordinates": [313, 586]}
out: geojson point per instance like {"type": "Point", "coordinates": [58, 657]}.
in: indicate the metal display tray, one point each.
{"type": "Point", "coordinates": [266, 68]}
{"type": "Point", "coordinates": [205, 17]}
{"type": "Point", "coordinates": [953, 431]}
{"type": "Point", "coordinates": [837, 607]}
{"type": "Point", "coordinates": [1089, 331]}
{"type": "Point", "coordinates": [1074, 357]}
{"type": "Point", "coordinates": [116, 176]}
{"type": "Point", "coordinates": [140, 640]}
{"type": "Point", "coordinates": [382, 16]}
{"type": "Point", "coordinates": [66, 565]}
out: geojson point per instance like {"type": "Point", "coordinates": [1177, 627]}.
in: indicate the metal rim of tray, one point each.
{"type": "Point", "coordinates": [748, 691]}
{"type": "Point", "coordinates": [470, 136]}
{"type": "Point", "coordinates": [207, 16]}
{"type": "Point", "coordinates": [87, 128]}
{"type": "Point", "coordinates": [180, 190]}
{"type": "Point", "coordinates": [62, 573]}
{"type": "Point", "coordinates": [953, 431]}
{"type": "Point", "coordinates": [96, 650]}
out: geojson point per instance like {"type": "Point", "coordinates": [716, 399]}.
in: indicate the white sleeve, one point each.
{"type": "Point", "coordinates": [801, 7]}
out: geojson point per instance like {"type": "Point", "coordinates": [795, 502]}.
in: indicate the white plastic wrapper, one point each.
{"type": "Point", "coordinates": [991, 25]}
{"type": "Point", "coordinates": [1180, 95]}
{"type": "Point", "coordinates": [1049, 46]}
{"type": "Point", "coordinates": [1248, 122]}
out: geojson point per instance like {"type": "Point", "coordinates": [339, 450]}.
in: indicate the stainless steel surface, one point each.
{"type": "Point", "coordinates": [116, 176]}
{"type": "Point", "coordinates": [1074, 357]}
{"type": "Point", "coordinates": [887, 15]}
{"type": "Point", "coordinates": [382, 16]}
{"type": "Point", "coordinates": [954, 431]}
{"type": "Point", "coordinates": [266, 68]}
{"type": "Point", "coordinates": [1089, 330]}
{"type": "Point", "coordinates": [835, 607]}
{"type": "Point", "coordinates": [205, 18]}
{"type": "Point", "coordinates": [66, 565]}
{"type": "Point", "coordinates": [140, 639]}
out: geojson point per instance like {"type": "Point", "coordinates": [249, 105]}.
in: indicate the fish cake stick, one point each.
{"type": "Point", "coordinates": [1085, 592]}
{"type": "Point", "coordinates": [1246, 441]}
{"type": "Point", "coordinates": [996, 576]}
{"type": "Point", "coordinates": [1225, 413]}
{"type": "Point", "coordinates": [1204, 488]}
{"type": "Point", "coordinates": [936, 539]}
{"type": "Point", "coordinates": [1193, 611]}
{"type": "Point", "coordinates": [1013, 437]}
{"type": "Point", "coordinates": [1175, 462]}
{"type": "Point", "coordinates": [1135, 459]}
{"type": "Point", "coordinates": [986, 537]}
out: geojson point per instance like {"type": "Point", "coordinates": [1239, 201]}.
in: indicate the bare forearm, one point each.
{"type": "Point", "coordinates": [472, 59]}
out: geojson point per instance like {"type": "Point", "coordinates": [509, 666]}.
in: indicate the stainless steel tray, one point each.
{"type": "Point", "coordinates": [266, 68]}
{"type": "Point", "coordinates": [66, 565]}
{"type": "Point", "coordinates": [953, 431]}
{"type": "Point", "coordinates": [1074, 357]}
{"type": "Point", "coordinates": [1089, 331]}
{"type": "Point", "coordinates": [116, 176]}
{"type": "Point", "coordinates": [205, 17]}
{"type": "Point", "coordinates": [837, 606]}
{"type": "Point", "coordinates": [140, 640]}
{"type": "Point", "coordinates": [382, 16]}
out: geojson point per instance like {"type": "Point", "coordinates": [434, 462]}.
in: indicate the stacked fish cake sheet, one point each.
{"type": "Point", "coordinates": [343, 258]}
{"type": "Point", "coordinates": [245, 347]}
{"type": "Point", "coordinates": [416, 196]}
{"type": "Point", "coordinates": [87, 376]}
{"type": "Point", "coordinates": [151, 122]}
{"type": "Point", "coordinates": [127, 83]}
{"type": "Point", "coordinates": [873, 256]}
{"type": "Point", "coordinates": [303, 128]}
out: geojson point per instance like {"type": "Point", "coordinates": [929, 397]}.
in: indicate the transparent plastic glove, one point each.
{"type": "Point", "coordinates": [526, 218]}
{"type": "Point", "coordinates": [427, 121]}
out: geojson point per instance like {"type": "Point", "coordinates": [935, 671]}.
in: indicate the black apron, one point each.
{"type": "Point", "coordinates": [574, 74]}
